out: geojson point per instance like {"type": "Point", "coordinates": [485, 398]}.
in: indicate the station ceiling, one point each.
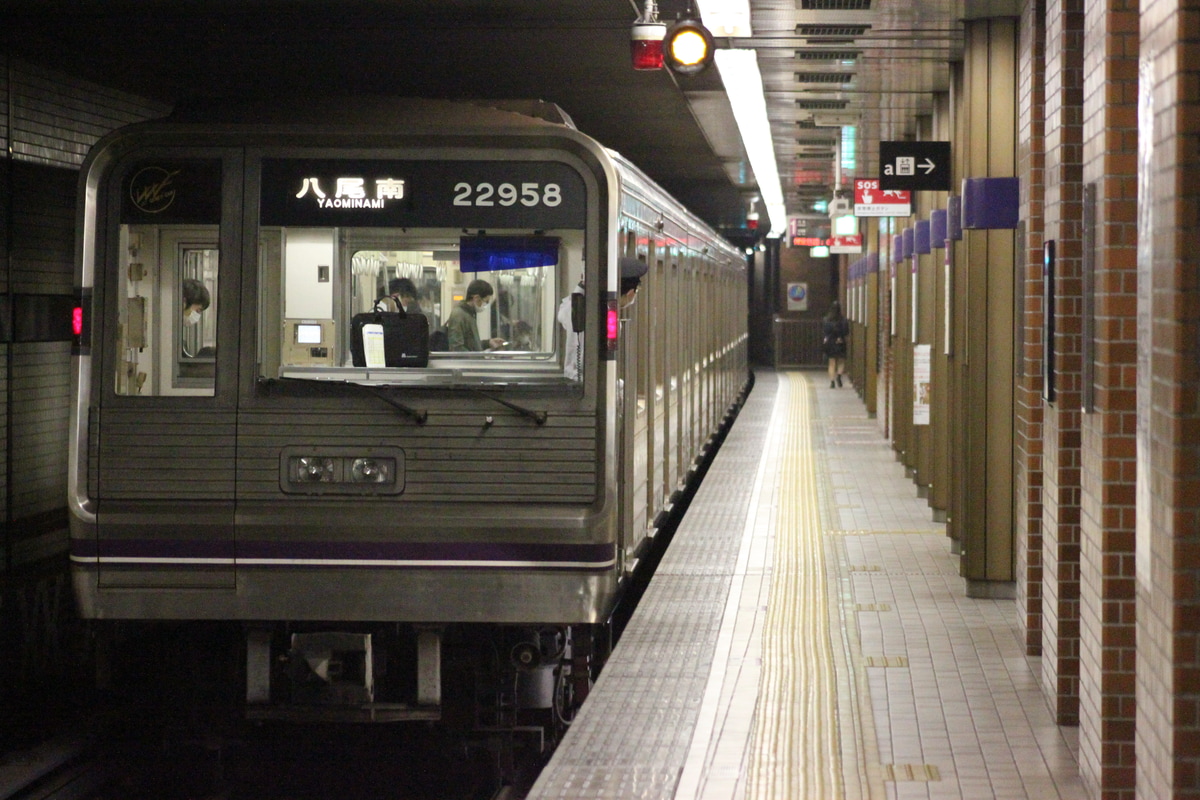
{"type": "Point", "coordinates": [835, 72]}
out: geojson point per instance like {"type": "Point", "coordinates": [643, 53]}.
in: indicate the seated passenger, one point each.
{"type": "Point", "coordinates": [462, 330]}
{"type": "Point", "coordinates": [522, 335]}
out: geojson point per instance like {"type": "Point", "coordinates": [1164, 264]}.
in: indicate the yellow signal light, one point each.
{"type": "Point", "coordinates": [688, 47]}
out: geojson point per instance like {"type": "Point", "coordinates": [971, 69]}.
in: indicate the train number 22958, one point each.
{"type": "Point", "coordinates": [507, 194]}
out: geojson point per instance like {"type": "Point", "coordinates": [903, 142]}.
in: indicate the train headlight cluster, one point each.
{"type": "Point", "coordinates": [316, 469]}
{"type": "Point", "coordinates": [342, 470]}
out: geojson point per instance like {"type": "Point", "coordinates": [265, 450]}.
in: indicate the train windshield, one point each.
{"type": "Point", "coordinates": [465, 290]}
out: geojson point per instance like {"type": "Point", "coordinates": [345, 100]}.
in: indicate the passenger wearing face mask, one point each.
{"type": "Point", "coordinates": [462, 330]}
{"type": "Point", "coordinates": [195, 300]}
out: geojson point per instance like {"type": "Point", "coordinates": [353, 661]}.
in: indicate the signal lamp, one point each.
{"type": "Point", "coordinates": [646, 39]}
{"type": "Point", "coordinates": [688, 47]}
{"type": "Point", "coordinates": [646, 44]}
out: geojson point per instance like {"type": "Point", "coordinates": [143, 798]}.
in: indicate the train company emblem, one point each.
{"type": "Point", "coordinates": [352, 192]}
{"type": "Point", "coordinates": [152, 189]}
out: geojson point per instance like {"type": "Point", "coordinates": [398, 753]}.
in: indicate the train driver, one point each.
{"type": "Point", "coordinates": [632, 271]}
{"type": "Point", "coordinates": [462, 331]}
{"type": "Point", "coordinates": [195, 300]}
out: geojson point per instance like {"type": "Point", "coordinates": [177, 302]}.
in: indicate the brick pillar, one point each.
{"type": "Point", "coordinates": [1061, 416]}
{"type": "Point", "coordinates": [1031, 63]}
{"type": "Point", "coordinates": [1168, 402]}
{"type": "Point", "coordinates": [1107, 657]}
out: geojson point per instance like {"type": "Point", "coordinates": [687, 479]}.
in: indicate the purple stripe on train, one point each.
{"type": "Point", "coordinates": [186, 550]}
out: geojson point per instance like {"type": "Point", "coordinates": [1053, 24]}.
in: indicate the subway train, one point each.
{"type": "Point", "coordinates": [378, 533]}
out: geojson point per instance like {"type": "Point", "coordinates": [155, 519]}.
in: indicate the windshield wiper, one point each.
{"type": "Point", "coordinates": [537, 416]}
{"type": "Point", "coordinates": [418, 414]}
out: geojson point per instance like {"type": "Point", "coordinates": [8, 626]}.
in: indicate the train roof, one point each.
{"type": "Point", "coordinates": [374, 112]}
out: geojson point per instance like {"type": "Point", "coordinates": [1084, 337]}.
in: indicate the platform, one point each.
{"type": "Point", "coordinates": [807, 635]}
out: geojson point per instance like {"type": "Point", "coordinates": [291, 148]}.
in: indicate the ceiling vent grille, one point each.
{"type": "Point", "coordinates": [815, 142]}
{"type": "Point", "coordinates": [835, 5]}
{"type": "Point", "coordinates": [828, 55]}
{"type": "Point", "coordinates": [831, 31]}
{"type": "Point", "coordinates": [822, 105]}
{"type": "Point", "coordinates": [824, 77]}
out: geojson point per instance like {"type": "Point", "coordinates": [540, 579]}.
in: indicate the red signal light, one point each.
{"type": "Point", "coordinates": [77, 320]}
{"type": "Point", "coordinates": [646, 45]}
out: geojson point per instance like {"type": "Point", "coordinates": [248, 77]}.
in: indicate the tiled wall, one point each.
{"type": "Point", "coordinates": [50, 120]}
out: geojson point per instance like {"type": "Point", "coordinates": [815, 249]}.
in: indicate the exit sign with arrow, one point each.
{"type": "Point", "coordinates": [915, 166]}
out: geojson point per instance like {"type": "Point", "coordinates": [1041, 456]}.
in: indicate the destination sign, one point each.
{"type": "Point", "coordinates": [441, 194]}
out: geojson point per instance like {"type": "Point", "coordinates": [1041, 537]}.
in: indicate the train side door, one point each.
{"type": "Point", "coordinates": [162, 427]}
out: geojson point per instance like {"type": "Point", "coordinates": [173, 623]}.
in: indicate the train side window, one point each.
{"type": "Point", "coordinates": [167, 310]}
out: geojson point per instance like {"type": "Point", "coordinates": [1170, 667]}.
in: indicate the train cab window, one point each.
{"type": "Point", "coordinates": [315, 281]}
{"type": "Point", "coordinates": [167, 285]}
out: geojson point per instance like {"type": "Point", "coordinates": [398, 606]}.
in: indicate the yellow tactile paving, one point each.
{"type": "Point", "coordinates": [796, 749]}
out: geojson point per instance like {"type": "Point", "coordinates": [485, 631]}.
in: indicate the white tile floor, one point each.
{"type": "Point", "coordinates": [936, 698]}
{"type": "Point", "coordinates": [934, 695]}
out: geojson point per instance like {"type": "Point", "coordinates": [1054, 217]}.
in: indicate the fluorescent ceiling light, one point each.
{"type": "Point", "coordinates": [744, 86]}
{"type": "Point", "coordinates": [726, 17]}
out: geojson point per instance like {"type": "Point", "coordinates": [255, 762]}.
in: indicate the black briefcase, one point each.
{"type": "Point", "coordinates": [405, 337]}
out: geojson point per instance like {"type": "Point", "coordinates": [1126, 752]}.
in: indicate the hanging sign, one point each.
{"type": "Point", "coordinates": [871, 201]}
{"type": "Point", "coordinates": [915, 165]}
{"type": "Point", "coordinates": [845, 244]}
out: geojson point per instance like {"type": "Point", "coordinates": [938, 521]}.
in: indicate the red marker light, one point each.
{"type": "Point", "coordinates": [77, 320]}
{"type": "Point", "coordinates": [612, 326]}
{"type": "Point", "coordinates": [646, 45]}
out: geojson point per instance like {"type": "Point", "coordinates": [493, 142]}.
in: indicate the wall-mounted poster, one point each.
{"type": "Point", "coordinates": [797, 297]}
{"type": "Point", "coordinates": [922, 385]}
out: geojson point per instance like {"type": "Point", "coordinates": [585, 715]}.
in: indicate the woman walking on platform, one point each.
{"type": "Point", "coordinates": [836, 329]}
